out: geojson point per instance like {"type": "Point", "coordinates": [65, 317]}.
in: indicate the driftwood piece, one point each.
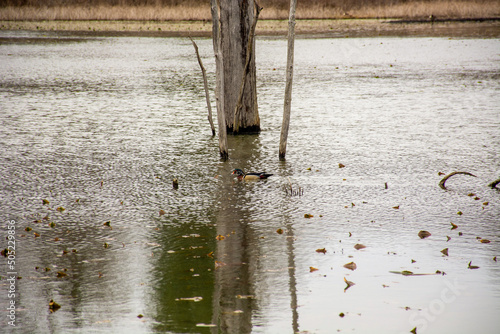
{"type": "Point", "coordinates": [443, 181]}
{"type": "Point", "coordinates": [236, 123]}
{"type": "Point", "coordinates": [205, 84]}
{"type": "Point", "coordinates": [493, 184]}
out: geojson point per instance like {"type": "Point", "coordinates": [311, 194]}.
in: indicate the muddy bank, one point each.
{"type": "Point", "coordinates": [305, 28]}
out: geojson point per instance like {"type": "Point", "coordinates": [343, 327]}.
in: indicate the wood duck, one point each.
{"type": "Point", "coordinates": [250, 176]}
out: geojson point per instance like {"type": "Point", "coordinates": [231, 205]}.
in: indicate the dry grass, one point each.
{"type": "Point", "coordinates": [273, 9]}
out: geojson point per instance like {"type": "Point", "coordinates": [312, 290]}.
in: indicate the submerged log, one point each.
{"type": "Point", "coordinates": [443, 181]}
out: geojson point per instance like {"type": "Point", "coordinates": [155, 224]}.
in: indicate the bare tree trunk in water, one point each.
{"type": "Point", "coordinates": [235, 21]}
{"type": "Point", "coordinates": [219, 97]}
{"type": "Point", "coordinates": [289, 78]}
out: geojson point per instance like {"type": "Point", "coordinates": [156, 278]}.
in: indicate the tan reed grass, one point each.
{"type": "Point", "coordinates": [318, 9]}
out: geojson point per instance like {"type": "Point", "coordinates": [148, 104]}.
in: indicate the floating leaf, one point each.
{"type": "Point", "coordinates": [60, 209]}
{"type": "Point", "coordinates": [350, 234]}
{"type": "Point", "coordinates": [359, 246]}
{"type": "Point", "coordinates": [36, 235]}
{"type": "Point", "coordinates": [108, 223]}
{"type": "Point", "coordinates": [220, 237]}
{"type": "Point", "coordinates": [341, 314]}
{"type": "Point", "coordinates": [27, 229]}
{"type": "Point", "coordinates": [106, 245]}
{"type": "Point", "coordinates": [485, 241]}
{"type": "Point", "coordinates": [459, 213]}
{"type": "Point", "coordinates": [460, 233]}
{"type": "Point", "coordinates": [406, 273]}
{"type": "Point", "coordinates": [312, 269]}
{"type": "Point", "coordinates": [341, 165]}
{"type": "Point", "coordinates": [448, 238]}
{"type": "Point", "coordinates": [52, 224]}
{"type": "Point", "coordinates": [424, 234]}
{"type": "Point", "coordinates": [219, 264]}
{"type": "Point", "coordinates": [53, 306]}
{"type": "Point", "coordinates": [175, 184]}
{"type": "Point", "coordinates": [350, 266]}
{"type": "Point", "coordinates": [162, 212]}
{"type": "Point", "coordinates": [349, 284]}
{"type": "Point", "coordinates": [396, 207]}
{"type": "Point", "coordinates": [486, 203]}
{"type": "Point", "coordinates": [211, 254]}
{"type": "Point", "coordinates": [61, 274]}
{"type": "Point", "coordinates": [308, 215]}
{"type": "Point", "coordinates": [45, 202]}
{"type": "Point", "coordinates": [279, 231]}
{"type": "Point", "coordinates": [445, 251]}
{"type": "Point", "coordinates": [414, 330]}
{"type": "Point", "coordinates": [453, 226]}
{"type": "Point", "coordinates": [495, 259]}
{"type": "Point", "coordinates": [413, 261]}
{"type": "Point", "coordinates": [140, 316]}
{"type": "Point", "coordinates": [321, 250]}
{"type": "Point", "coordinates": [471, 266]}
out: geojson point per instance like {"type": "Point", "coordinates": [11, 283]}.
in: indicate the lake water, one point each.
{"type": "Point", "coordinates": [101, 126]}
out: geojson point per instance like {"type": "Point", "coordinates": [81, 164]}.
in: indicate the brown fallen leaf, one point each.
{"type": "Point", "coordinates": [445, 251]}
{"type": "Point", "coordinates": [341, 165]}
{"type": "Point", "coordinates": [312, 269]}
{"type": "Point", "coordinates": [308, 215]}
{"type": "Point", "coordinates": [321, 250]}
{"type": "Point", "coordinates": [359, 246]}
{"type": "Point", "coordinates": [162, 212]}
{"type": "Point", "coordinates": [220, 237]}
{"type": "Point", "coordinates": [453, 226]}
{"type": "Point", "coordinates": [396, 207]}
{"type": "Point", "coordinates": [424, 234]}
{"type": "Point", "coordinates": [341, 314]}
{"type": "Point", "coordinates": [61, 274]}
{"type": "Point", "coordinates": [60, 209]}
{"type": "Point", "coordinates": [485, 241]}
{"type": "Point", "coordinates": [350, 266]}
{"type": "Point", "coordinates": [279, 231]}
{"type": "Point", "coordinates": [349, 284]}
{"type": "Point", "coordinates": [53, 306]}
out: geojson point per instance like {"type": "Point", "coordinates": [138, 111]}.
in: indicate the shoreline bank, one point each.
{"type": "Point", "coordinates": [481, 27]}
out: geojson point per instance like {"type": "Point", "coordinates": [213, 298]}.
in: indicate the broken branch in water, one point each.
{"type": "Point", "coordinates": [493, 184]}
{"type": "Point", "coordinates": [443, 181]}
{"type": "Point", "coordinates": [291, 191]}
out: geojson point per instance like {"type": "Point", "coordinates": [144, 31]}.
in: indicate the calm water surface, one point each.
{"type": "Point", "coordinates": [100, 126]}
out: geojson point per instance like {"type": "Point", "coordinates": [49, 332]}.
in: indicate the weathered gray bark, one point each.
{"type": "Point", "coordinates": [235, 23]}
{"type": "Point", "coordinates": [289, 78]}
{"type": "Point", "coordinates": [219, 83]}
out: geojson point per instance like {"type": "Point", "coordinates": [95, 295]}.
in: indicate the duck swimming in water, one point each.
{"type": "Point", "coordinates": [250, 176]}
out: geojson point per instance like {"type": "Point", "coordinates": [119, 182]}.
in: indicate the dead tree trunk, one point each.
{"type": "Point", "coordinates": [219, 83]}
{"type": "Point", "coordinates": [289, 77]}
{"type": "Point", "coordinates": [235, 20]}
